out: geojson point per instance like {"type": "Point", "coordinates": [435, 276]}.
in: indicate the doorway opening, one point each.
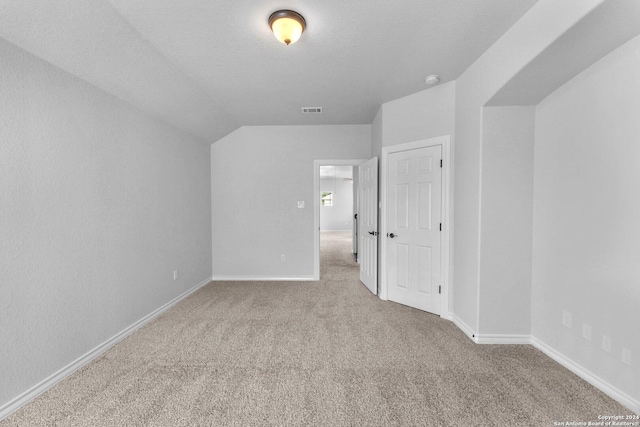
{"type": "Point", "coordinates": [335, 206]}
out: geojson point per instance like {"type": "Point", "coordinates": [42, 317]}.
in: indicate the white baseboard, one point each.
{"type": "Point", "coordinates": [464, 327]}
{"type": "Point", "coordinates": [489, 338]}
{"type": "Point", "coordinates": [594, 380]}
{"type": "Point", "coordinates": [262, 279]}
{"type": "Point", "coordinates": [589, 377]}
{"type": "Point", "coordinates": [15, 404]}
{"type": "Point", "coordinates": [502, 339]}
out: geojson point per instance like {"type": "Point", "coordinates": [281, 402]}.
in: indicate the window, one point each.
{"type": "Point", "coordinates": [327, 198]}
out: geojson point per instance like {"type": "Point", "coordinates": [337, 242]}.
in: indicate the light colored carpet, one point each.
{"type": "Point", "coordinates": [325, 353]}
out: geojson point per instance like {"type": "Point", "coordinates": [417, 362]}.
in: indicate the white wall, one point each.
{"type": "Point", "coordinates": [544, 23]}
{"type": "Point", "coordinates": [339, 216]}
{"type": "Point", "coordinates": [376, 134]}
{"type": "Point", "coordinates": [574, 263]}
{"type": "Point", "coordinates": [99, 203]}
{"type": "Point", "coordinates": [506, 220]}
{"type": "Point", "coordinates": [426, 114]}
{"type": "Point", "coordinates": [586, 246]}
{"type": "Point", "coordinates": [258, 174]}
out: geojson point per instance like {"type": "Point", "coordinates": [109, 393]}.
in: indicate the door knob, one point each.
{"type": "Point", "coordinates": [392, 235]}
{"type": "Point", "coordinates": [373, 233]}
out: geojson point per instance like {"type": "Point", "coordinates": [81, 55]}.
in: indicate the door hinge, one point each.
{"type": "Point", "coordinates": [440, 162]}
{"type": "Point", "coordinates": [440, 226]}
{"type": "Point", "coordinates": [439, 289]}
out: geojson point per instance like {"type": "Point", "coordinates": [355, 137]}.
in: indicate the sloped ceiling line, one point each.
{"type": "Point", "coordinates": [210, 66]}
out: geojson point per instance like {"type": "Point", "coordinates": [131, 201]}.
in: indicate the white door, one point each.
{"type": "Point", "coordinates": [413, 212]}
{"type": "Point", "coordinates": [368, 223]}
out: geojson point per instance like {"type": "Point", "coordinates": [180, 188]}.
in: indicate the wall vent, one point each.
{"type": "Point", "coordinates": [307, 110]}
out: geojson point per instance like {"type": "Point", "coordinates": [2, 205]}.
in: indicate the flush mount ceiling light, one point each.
{"type": "Point", "coordinates": [287, 25]}
{"type": "Point", "coordinates": [432, 79]}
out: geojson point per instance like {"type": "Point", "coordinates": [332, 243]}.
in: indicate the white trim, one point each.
{"type": "Point", "coordinates": [447, 214]}
{"type": "Point", "coordinates": [15, 404]}
{"type": "Point", "coordinates": [464, 327]}
{"type": "Point", "coordinates": [316, 205]}
{"type": "Point", "coordinates": [594, 380]}
{"type": "Point", "coordinates": [502, 339]}
{"type": "Point", "coordinates": [589, 377]}
{"type": "Point", "coordinates": [479, 247]}
{"type": "Point", "coordinates": [261, 279]}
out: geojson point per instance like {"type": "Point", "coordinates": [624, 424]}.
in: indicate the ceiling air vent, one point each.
{"type": "Point", "coordinates": [307, 110]}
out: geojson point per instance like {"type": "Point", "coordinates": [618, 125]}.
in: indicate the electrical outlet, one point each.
{"type": "Point", "coordinates": [586, 331]}
{"type": "Point", "coordinates": [175, 275]}
{"type": "Point", "coordinates": [283, 258]}
{"type": "Point", "coordinates": [626, 356]}
{"type": "Point", "coordinates": [301, 205]}
{"type": "Point", "coordinates": [606, 343]}
{"type": "Point", "coordinates": [567, 319]}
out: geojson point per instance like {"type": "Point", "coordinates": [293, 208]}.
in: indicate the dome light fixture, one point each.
{"type": "Point", "coordinates": [287, 25]}
{"type": "Point", "coordinates": [432, 79]}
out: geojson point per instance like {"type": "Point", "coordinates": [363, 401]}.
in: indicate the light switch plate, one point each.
{"type": "Point", "coordinates": [300, 205]}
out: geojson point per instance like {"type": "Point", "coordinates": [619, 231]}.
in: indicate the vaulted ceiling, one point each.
{"type": "Point", "coordinates": [210, 66]}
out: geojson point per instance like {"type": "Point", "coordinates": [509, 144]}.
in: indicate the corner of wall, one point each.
{"type": "Point", "coordinates": [376, 133]}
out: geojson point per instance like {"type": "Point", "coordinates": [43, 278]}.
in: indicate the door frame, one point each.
{"type": "Point", "coordinates": [445, 261]}
{"type": "Point", "coordinates": [316, 205]}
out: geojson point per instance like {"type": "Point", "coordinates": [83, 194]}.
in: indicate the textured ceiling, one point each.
{"type": "Point", "coordinates": [209, 66]}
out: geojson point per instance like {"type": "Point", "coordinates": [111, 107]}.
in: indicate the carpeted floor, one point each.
{"type": "Point", "coordinates": [325, 353]}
